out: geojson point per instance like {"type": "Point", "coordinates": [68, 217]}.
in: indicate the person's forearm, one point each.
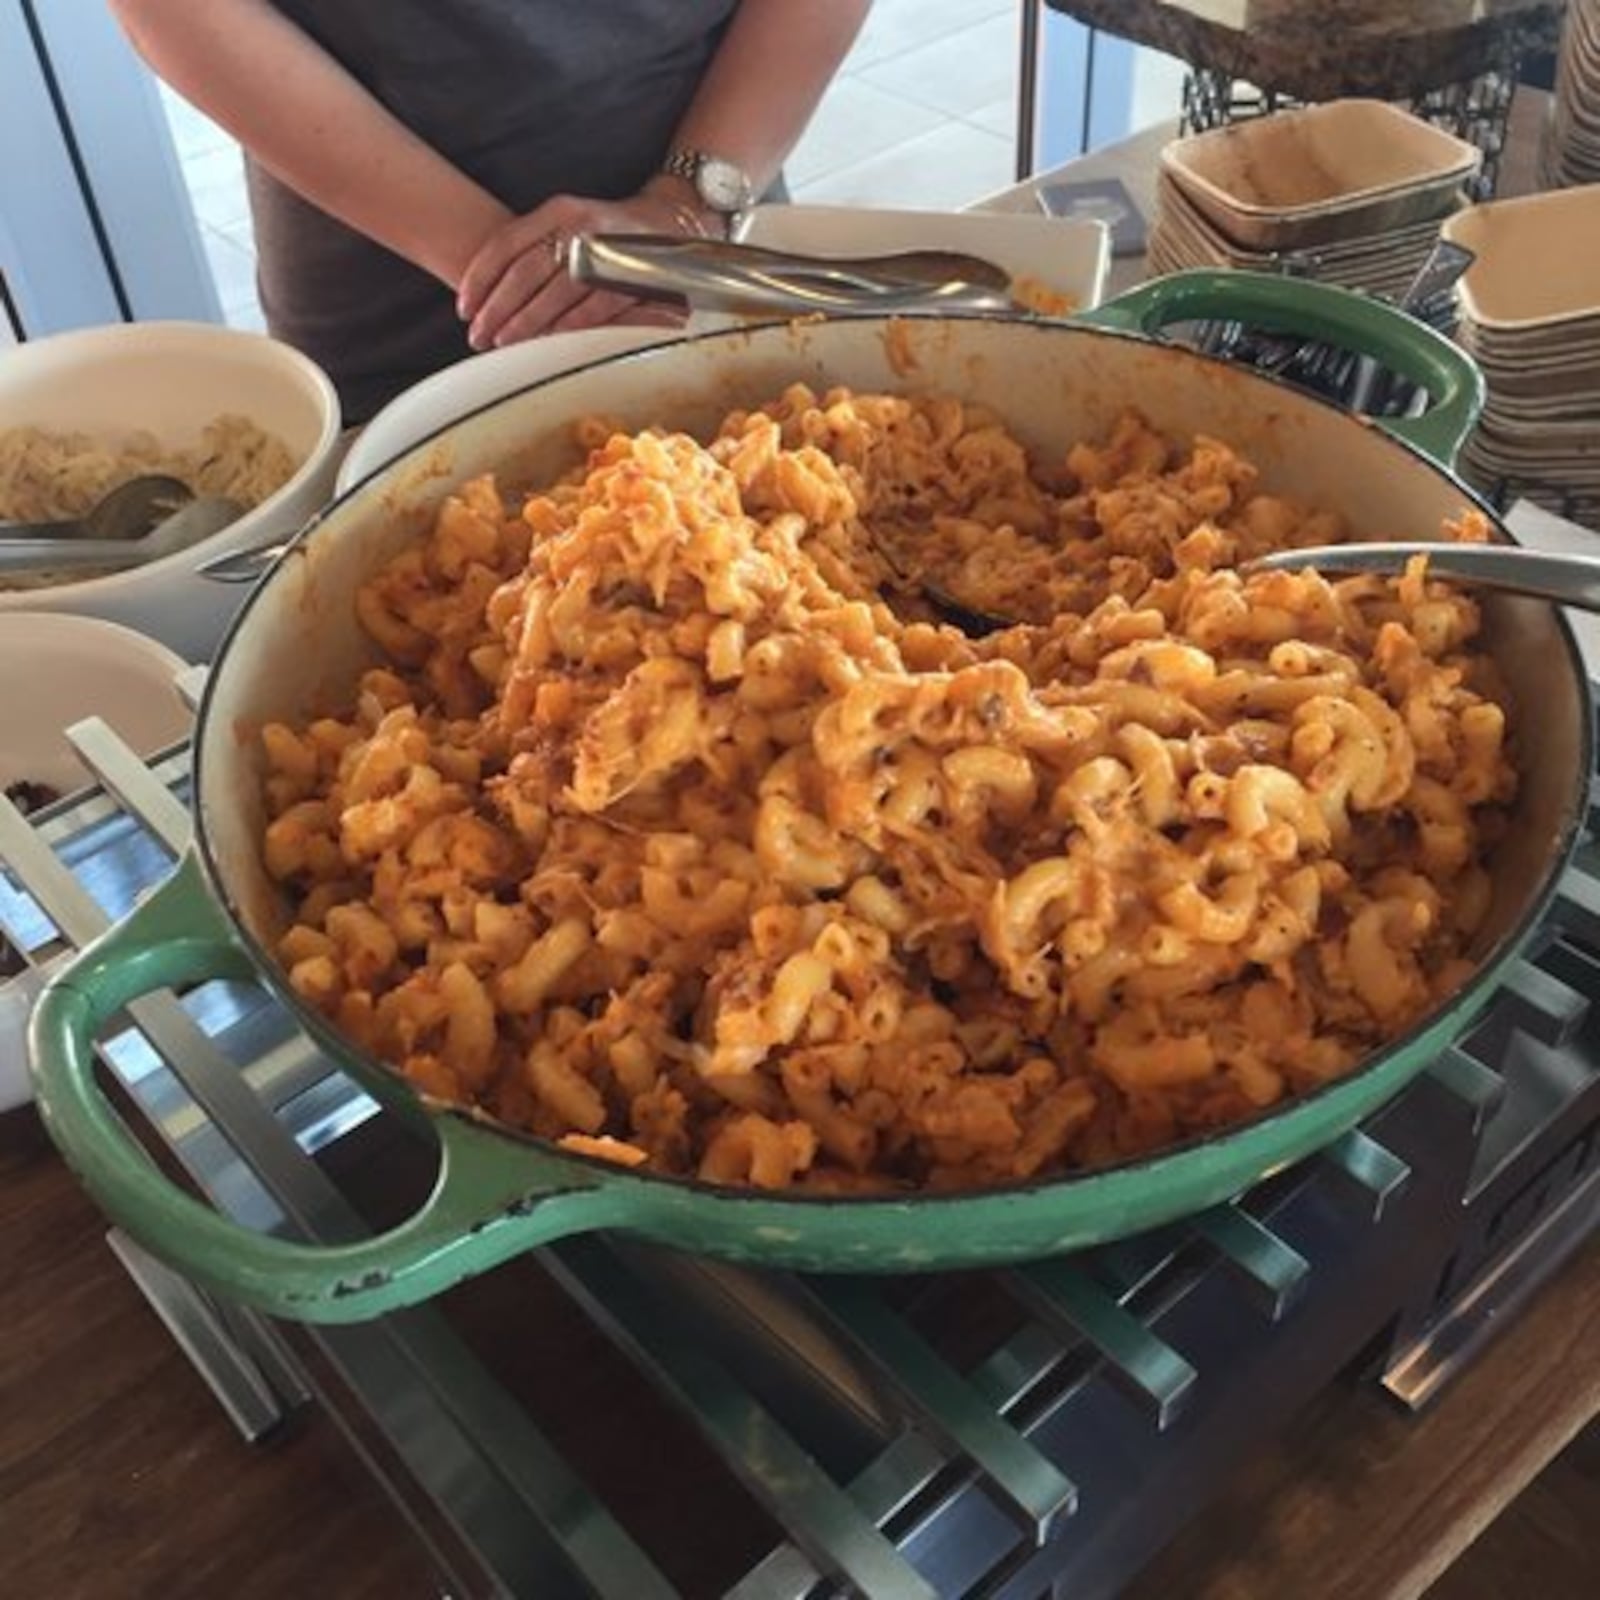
{"type": "Point", "coordinates": [775, 61]}
{"type": "Point", "coordinates": [312, 125]}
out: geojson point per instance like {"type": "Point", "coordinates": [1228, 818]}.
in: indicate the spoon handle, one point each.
{"type": "Point", "coordinates": [718, 275]}
{"type": "Point", "coordinates": [198, 520]}
{"type": "Point", "coordinates": [10, 532]}
{"type": "Point", "coordinates": [50, 555]}
{"type": "Point", "coordinates": [1568, 580]}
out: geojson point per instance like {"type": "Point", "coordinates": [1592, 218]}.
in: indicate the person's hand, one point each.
{"type": "Point", "coordinates": [517, 286]}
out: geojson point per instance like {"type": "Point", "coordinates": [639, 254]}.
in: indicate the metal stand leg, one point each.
{"type": "Point", "coordinates": [1086, 135]}
{"type": "Point", "coordinates": [1027, 89]}
{"type": "Point", "coordinates": [243, 1362]}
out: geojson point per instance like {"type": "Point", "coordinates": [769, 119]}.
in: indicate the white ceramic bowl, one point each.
{"type": "Point", "coordinates": [57, 669]}
{"type": "Point", "coordinates": [73, 667]}
{"type": "Point", "coordinates": [170, 379]}
{"type": "Point", "coordinates": [458, 390]}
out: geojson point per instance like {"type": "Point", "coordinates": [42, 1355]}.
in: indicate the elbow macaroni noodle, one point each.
{"type": "Point", "coordinates": [678, 832]}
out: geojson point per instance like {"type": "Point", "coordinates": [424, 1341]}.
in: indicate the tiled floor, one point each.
{"type": "Point", "coordinates": [922, 114]}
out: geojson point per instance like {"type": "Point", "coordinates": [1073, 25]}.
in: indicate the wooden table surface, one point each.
{"type": "Point", "coordinates": [120, 1478]}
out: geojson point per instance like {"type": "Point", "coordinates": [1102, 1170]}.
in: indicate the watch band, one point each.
{"type": "Point", "coordinates": [684, 163]}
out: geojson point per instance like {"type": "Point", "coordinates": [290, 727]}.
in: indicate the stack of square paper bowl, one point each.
{"type": "Point", "coordinates": [1530, 315]}
{"type": "Point", "coordinates": [1352, 191]}
{"type": "Point", "coordinates": [1571, 151]}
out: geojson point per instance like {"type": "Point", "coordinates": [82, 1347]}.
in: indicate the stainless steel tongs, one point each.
{"type": "Point", "coordinates": [718, 275]}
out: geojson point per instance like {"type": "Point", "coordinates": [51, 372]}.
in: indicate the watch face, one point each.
{"type": "Point", "coordinates": [723, 186]}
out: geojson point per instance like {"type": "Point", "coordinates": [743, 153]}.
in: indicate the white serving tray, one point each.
{"type": "Point", "coordinates": [1067, 256]}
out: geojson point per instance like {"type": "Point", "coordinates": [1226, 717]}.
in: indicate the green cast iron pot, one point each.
{"type": "Point", "coordinates": [295, 649]}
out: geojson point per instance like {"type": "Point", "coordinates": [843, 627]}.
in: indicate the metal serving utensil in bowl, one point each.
{"type": "Point", "coordinates": [969, 619]}
{"type": "Point", "coordinates": [197, 520]}
{"type": "Point", "coordinates": [1568, 580]}
{"type": "Point", "coordinates": [128, 511]}
{"type": "Point", "coordinates": [242, 566]}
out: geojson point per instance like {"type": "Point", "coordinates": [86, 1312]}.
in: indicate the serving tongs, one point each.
{"type": "Point", "coordinates": [719, 275]}
{"type": "Point", "coordinates": [196, 520]}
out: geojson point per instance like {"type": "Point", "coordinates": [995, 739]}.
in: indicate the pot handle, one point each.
{"type": "Point", "coordinates": [482, 1209]}
{"type": "Point", "coordinates": [1319, 310]}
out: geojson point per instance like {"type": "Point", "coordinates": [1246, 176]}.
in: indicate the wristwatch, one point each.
{"type": "Point", "coordinates": [722, 186]}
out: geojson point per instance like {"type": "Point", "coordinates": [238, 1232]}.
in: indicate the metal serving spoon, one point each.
{"type": "Point", "coordinates": [1568, 580]}
{"type": "Point", "coordinates": [971, 621]}
{"type": "Point", "coordinates": [129, 511]}
{"type": "Point", "coordinates": [199, 519]}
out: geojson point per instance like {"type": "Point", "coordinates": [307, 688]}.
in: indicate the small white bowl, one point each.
{"type": "Point", "coordinates": [57, 669]}
{"type": "Point", "coordinates": [458, 390]}
{"type": "Point", "coordinates": [170, 379]}
{"type": "Point", "coordinates": [1066, 256]}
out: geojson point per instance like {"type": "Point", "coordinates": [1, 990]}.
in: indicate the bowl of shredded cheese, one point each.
{"type": "Point", "coordinates": [230, 413]}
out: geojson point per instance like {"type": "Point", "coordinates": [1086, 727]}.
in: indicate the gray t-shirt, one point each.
{"type": "Point", "coordinates": [528, 97]}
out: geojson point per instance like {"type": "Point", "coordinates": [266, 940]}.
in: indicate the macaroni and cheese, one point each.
{"type": "Point", "coordinates": [676, 830]}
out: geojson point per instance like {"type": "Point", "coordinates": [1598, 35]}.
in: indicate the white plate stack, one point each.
{"type": "Point", "coordinates": [1570, 152]}
{"type": "Point", "coordinates": [1530, 315]}
{"type": "Point", "coordinates": [1351, 191]}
